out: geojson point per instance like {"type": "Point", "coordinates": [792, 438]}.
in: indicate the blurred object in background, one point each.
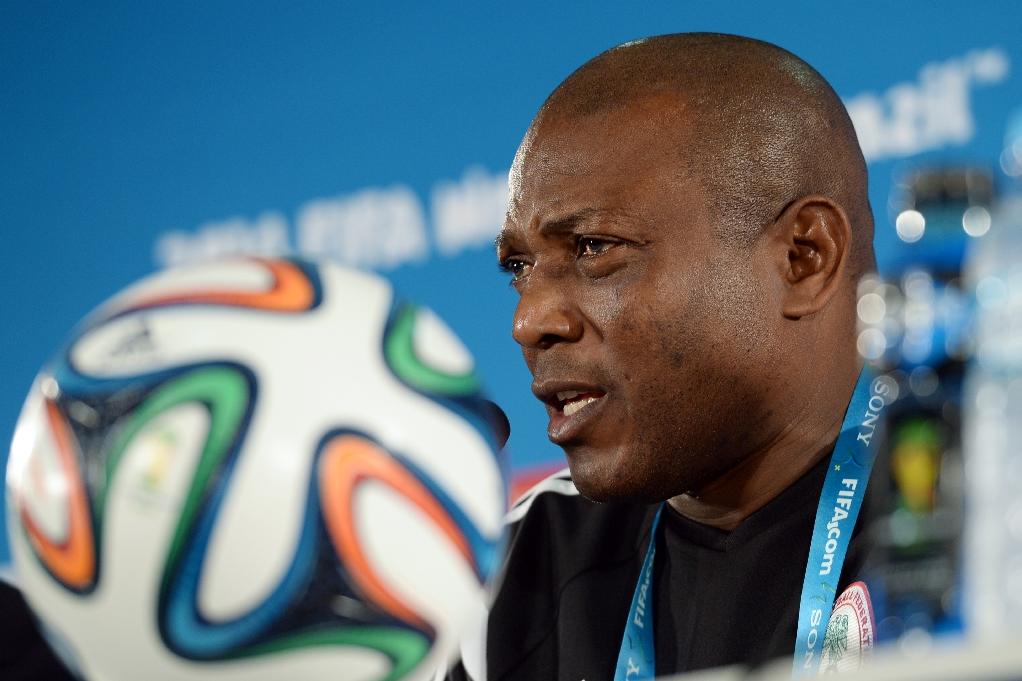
{"type": "Point", "coordinates": [940, 208]}
{"type": "Point", "coordinates": [258, 469]}
{"type": "Point", "coordinates": [915, 324]}
{"type": "Point", "coordinates": [993, 409]}
{"type": "Point", "coordinates": [1011, 155]}
{"type": "Point", "coordinates": [946, 322]}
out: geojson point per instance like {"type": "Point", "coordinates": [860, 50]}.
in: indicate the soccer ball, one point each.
{"type": "Point", "coordinates": [257, 469]}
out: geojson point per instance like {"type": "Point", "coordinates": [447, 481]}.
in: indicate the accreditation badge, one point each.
{"type": "Point", "coordinates": [849, 637]}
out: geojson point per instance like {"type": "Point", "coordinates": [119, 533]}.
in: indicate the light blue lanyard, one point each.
{"type": "Point", "coordinates": [840, 502]}
{"type": "Point", "coordinates": [636, 659]}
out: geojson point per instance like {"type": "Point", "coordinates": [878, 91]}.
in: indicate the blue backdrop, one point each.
{"type": "Point", "coordinates": [138, 135]}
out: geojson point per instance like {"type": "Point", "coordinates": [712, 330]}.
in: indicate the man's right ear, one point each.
{"type": "Point", "coordinates": [813, 237]}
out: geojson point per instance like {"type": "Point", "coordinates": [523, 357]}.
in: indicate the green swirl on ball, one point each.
{"type": "Point", "coordinates": [399, 350]}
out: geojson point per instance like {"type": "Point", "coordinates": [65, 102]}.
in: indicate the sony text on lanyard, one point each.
{"type": "Point", "coordinates": [843, 491]}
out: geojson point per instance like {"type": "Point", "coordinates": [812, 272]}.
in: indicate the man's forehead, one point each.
{"type": "Point", "coordinates": [648, 130]}
{"type": "Point", "coordinates": [564, 155]}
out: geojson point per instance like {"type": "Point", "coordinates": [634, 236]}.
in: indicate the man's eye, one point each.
{"type": "Point", "coordinates": [589, 246]}
{"type": "Point", "coordinates": [516, 267]}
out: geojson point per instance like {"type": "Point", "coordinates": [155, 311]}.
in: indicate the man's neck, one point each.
{"type": "Point", "coordinates": [731, 498]}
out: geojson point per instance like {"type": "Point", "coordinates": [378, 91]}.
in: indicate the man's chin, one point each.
{"type": "Point", "coordinates": [608, 484]}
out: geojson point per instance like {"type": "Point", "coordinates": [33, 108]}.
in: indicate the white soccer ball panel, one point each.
{"type": "Point", "coordinates": [241, 276]}
{"type": "Point", "coordinates": [152, 340]}
{"type": "Point", "coordinates": [437, 346]}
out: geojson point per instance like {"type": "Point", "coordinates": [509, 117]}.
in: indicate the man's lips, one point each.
{"type": "Point", "coordinates": [571, 406]}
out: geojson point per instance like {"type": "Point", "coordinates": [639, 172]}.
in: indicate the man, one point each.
{"type": "Point", "coordinates": [687, 223]}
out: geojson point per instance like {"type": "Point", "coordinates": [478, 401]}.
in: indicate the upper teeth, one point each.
{"type": "Point", "coordinates": [572, 407]}
{"type": "Point", "coordinates": [572, 402]}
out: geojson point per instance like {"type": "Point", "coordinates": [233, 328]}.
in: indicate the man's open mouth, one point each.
{"type": "Point", "coordinates": [572, 401]}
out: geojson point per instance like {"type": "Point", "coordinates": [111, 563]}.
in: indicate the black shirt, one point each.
{"type": "Point", "coordinates": [721, 598]}
{"type": "Point", "coordinates": [745, 609]}
{"type": "Point", "coordinates": [24, 655]}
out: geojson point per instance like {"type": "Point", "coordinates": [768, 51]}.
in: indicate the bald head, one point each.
{"type": "Point", "coordinates": [759, 128]}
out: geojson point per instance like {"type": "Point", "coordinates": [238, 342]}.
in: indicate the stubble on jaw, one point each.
{"type": "Point", "coordinates": [716, 355]}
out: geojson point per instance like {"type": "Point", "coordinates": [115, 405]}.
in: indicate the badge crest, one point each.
{"type": "Point", "coordinates": [849, 636]}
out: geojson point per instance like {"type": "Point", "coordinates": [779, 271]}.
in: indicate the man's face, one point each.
{"type": "Point", "coordinates": [648, 337]}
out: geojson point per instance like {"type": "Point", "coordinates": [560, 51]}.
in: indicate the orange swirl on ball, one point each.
{"type": "Point", "coordinates": [73, 560]}
{"type": "Point", "coordinates": [291, 292]}
{"type": "Point", "coordinates": [348, 461]}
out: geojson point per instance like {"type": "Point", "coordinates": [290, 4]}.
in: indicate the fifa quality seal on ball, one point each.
{"type": "Point", "coordinates": [257, 469]}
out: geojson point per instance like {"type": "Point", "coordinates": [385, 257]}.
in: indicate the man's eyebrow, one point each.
{"type": "Point", "coordinates": [501, 240]}
{"type": "Point", "coordinates": [558, 225]}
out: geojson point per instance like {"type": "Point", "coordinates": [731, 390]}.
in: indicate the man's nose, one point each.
{"type": "Point", "coordinates": [546, 315]}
